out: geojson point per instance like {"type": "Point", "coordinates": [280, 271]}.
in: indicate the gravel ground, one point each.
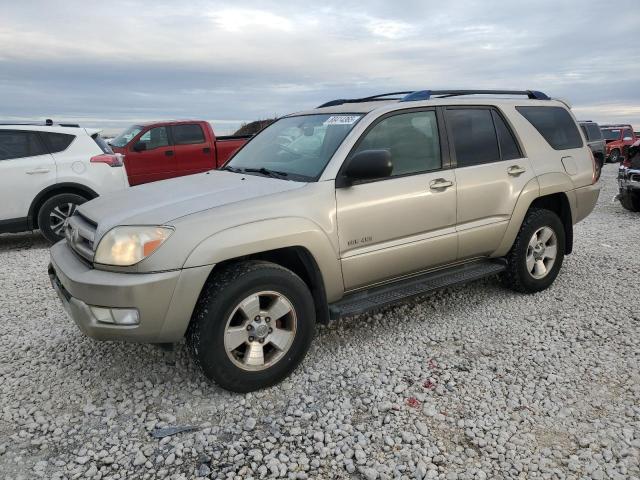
{"type": "Point", "coordinates": [470, 383]}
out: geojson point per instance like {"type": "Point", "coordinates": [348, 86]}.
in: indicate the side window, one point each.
{"type": "Point", "coordinates": [509, 149]}
{"type": "Point", "coordinates": [187, 134]}
{"type": "Point", "coordinates": [555, 125]}
{"type": "Point", "coordinates": [584, 130]}
{"type": "Point", "coordinates": [19, 144]}
{"type": "Point", "coordinates": [474, 136]}
{"type": "Point", "coordinates": [411, 138]}
{"type": "Point", "coordinates": [627, 133]}
{"type": "Point", "coordinates": [57, 142]}
{"type": "Point", "coordinates": [155, 138]}
{"type": "Point", "coordinates": [594, 131]}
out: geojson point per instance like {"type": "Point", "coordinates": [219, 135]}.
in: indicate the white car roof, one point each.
{"type": "Point", "coordinates": [51, 128]}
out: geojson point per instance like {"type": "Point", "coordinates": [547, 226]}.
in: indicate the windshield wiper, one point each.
{"type": "Point", "coordinates": [231, 169]}
{"type": "Point", "coordinates": [267, 172]}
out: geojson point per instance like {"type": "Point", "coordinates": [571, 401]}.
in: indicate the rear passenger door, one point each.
{"type": "Point", "coordinates": [491, 171]}
{"type": "Point", "coordinates": [404, 223]}
{"type": "Point", "coordinates": [193, 151]}
{"type": "Point", "coordinates": [26, 168]}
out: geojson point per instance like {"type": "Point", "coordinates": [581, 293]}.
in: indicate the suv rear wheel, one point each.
{"type": "Point", "coordinates": [252, 326]}
{"type": "Point", "coordinates": [537, 254]}
{"type": "Point", "coordinates": [55, 211]}
{"type": "Point", "coordinates": [630, 201]}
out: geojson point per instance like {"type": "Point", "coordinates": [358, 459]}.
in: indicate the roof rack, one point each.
{"type": "Point", "coordinates": [426, 94]}
{"type": "Point", "coordinates": [373, 98]}
{"type": "Point", "coordinates": [47, 123]}
{"type": "Point", "coordinates": [416, 95]}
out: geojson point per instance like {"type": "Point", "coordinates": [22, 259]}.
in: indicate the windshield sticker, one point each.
{"type": "Point", "coordinates": [341, 120]}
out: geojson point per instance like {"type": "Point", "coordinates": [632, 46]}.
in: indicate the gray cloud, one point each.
{"type": "Point", "coordinates": [113, 63]}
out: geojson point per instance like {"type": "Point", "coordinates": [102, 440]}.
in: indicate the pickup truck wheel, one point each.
{"type": "Point", "coordinates": [252, 326]}
{"type": "Point", "coordinates": [615, 155]}
{"type": "Point", "coordinates": [54, 212]}
{"type": "Point", "coordinates": [630, 201]}
{"type": "Point", "coordinates": [537, 253]}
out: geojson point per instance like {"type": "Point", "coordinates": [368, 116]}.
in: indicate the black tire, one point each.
{"type": "Point", "coordinates": [517, 276]}
{"type": "Point", "coordinates": [53, 212]}
{"type": "Point", "coordinates": [218, 300]}
{"type": "Point", "coordinates": [615, 155]}
{"type": "Point", "coordinates": [630, 201]}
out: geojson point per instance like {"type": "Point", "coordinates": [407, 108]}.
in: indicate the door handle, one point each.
{"type": "Point", "coordinates": [168, 153]}
{"type": "Point", "coordinates": [38, 170]}
{"type": "Point", "coordinates": [440, 184]}
{"type": "Point", "coordinates": [516, 170]}
{"type": "Point", "coordinates": [206, 150]}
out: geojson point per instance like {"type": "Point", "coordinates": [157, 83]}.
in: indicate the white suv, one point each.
{"type": "Point", "coordinates": [47, 170]}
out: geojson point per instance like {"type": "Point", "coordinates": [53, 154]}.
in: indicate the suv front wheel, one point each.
{"type": "Point", "coordinates": [54, 212]}
{"type": "Point", "coordinates": [537, 253]}
{"type": "Point", "coordinates": [252, 326]}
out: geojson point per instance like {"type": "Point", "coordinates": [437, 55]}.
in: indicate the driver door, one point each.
{"type": "Point", "coordinates": [156, 162]}
{"type": "Point", "coordinates": [405, 223]}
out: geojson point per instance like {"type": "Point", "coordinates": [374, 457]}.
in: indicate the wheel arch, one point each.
{"type": "Point", "coordinates": [554, 192]}
{"type": "Point", "coordinates": [56, 189]}
{"type": "Point", "coordinates": [300, 261]}
{"type": "Point", "coordinates": [559, 204]}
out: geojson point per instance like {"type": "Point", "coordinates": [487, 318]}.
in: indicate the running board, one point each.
{"type": "Point", "coordinates": [401, 290]}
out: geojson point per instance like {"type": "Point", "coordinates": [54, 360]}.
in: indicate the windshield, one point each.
{"type": "Point", "coordinates": [611, 134]}
{"type": "Point", "coordinates": [295, 148]}
{"type": "Point", "coordinates": [126, 136]}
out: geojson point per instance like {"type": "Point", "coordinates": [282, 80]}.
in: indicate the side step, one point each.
{"type": "Point", "coordinates": [401, 290]}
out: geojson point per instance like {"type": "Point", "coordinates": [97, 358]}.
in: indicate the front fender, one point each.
{"type": "Point", "coordinates": [272, 234]}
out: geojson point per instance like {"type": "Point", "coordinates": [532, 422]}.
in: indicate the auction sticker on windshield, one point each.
{"type": "Point", "coordinates": [341, 120]}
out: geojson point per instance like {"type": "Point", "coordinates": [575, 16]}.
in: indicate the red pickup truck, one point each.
{"type": "Point", "coordinates": [618, 139]}
{"type": "Point", "coordinates": [159, 150]}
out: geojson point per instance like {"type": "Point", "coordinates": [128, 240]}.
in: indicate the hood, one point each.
{"type": "Point", "coordinates": [159, 203]}
{"type": "Point", "coordinates": [611, 141]}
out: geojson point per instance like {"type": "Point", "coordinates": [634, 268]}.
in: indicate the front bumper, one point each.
{"type": "Point", "coordinates": [164, 300]}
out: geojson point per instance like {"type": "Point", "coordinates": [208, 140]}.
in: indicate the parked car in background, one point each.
{"type": "Point", "coordinates": [160, 150]}
{"type": "Point", "coordinates": [617, 138]}
{"type": "Point", "coordinates": [355, 205]}
{"type": "Point", "coordinates": [629, 179]}
{"type": "Point", "coordinates": [47, 170]}
{"type": "Point", "coordinates": [595, 141]}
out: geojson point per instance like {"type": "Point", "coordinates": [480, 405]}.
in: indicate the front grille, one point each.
{"type": "Point", "coordinates": [80, 234]}
{"type": "Point", "coordinates": [635, 177]}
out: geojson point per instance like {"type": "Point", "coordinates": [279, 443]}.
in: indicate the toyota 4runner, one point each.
{"type": "Point", "coordinates": [355, 205]}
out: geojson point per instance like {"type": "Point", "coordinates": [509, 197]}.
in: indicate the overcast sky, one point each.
{"type": "Point", "coordinates": [113, 63]}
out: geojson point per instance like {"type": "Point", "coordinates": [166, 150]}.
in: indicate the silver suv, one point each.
{"type": "Point", "coordinates": [355, 205]}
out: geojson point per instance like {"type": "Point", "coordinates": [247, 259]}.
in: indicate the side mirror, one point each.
{"type": "Point", "coordinates": [140, 147]}
{"type": "Point", "coordinates": [367, 165]}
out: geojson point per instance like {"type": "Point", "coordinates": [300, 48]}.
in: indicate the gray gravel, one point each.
{"type": "Point", "coordinates": [473, 382]}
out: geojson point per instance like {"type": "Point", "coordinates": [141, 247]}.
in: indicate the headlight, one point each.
{"type": "Point", "coordinates": [124, 246]}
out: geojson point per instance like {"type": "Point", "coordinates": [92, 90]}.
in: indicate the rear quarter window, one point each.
{"type": "Point", "coordinates": [57, 142]}
{"type": "Point", "coordinates": [555, 124]}
{"type": "Point", "coordinates": [104, 146]}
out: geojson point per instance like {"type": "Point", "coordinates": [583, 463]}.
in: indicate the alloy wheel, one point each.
{"type": "Point", "coordinates": [260, 330]}
{"type": "Point", "coordinates": [59, 215]}
{"type": "Point", "coordinates": [541, 252]}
